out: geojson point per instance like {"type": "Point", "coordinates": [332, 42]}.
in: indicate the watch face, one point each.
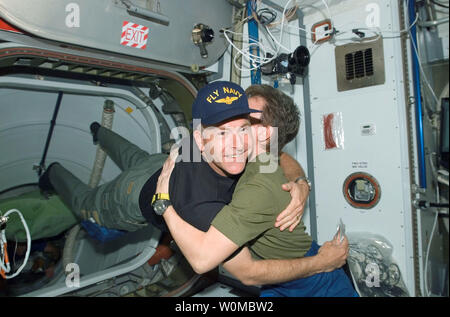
{"type": "Point", "coordinates": [161, 205]}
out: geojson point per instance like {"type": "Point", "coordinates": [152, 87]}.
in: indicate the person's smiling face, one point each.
{"type": "Point", "coordinates": [226, 146]}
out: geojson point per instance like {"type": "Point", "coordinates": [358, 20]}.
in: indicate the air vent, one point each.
{"type": "Point", "coordinates": [360, 65]}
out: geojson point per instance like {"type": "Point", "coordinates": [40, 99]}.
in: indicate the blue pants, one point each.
{"type": "Point", "coordinates": [327, 284]}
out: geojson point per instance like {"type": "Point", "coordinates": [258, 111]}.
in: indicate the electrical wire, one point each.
{"type": "Point", "coordinates": [256, 60]}
{"type": "Point", "coordinates": [277, 46]}
{"type": "Point", "coordinates": [292, 12]}
{"type": "Point", "coordinates": [427, 24]}
{"type": "Point", "coordinates": [245, 53]}
{"type": "Point", "coordinates": [439, 4]}
{"type": "Point", "coordinates": [272, 52]}
{"type": "Point", "coordinates": [283, 16]}
{"type": "Point", "coordinates": [4, 261]}
{"type": "Point", "coordinates": [423, 72]}
{"type": "Point", "coordinates": [427, 290]}
{"type": "Point", "coordinates": [376, 30]}
{"type": "Point", "coordinates": [265, 16]}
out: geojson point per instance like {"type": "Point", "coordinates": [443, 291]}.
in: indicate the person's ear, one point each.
{"type": "Point", "coordinates": [198, 138]}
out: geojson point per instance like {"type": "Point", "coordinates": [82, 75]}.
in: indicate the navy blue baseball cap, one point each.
{"type": "Point", "coordinates": [219, 101]}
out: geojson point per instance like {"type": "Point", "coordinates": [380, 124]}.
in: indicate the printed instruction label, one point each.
{"type": "Point", "coordinates": [361, 164]}
{"type": "Point", "coordinates": [134, 35]}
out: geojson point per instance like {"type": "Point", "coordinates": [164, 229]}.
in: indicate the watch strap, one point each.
{"type": "Point", "coordinates": [159, 196]}
{"type": "Point", "coordinates": [304, 178]}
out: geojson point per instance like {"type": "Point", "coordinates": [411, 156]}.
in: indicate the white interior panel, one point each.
{"type": "Point", "coordinates": [25, 122]}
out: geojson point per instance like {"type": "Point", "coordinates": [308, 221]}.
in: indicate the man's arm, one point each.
{"type": "Point", "coordinates": [331, 255]}
{"type": "Point", "coordinates": [291, 216]}
{"type": "Point", "coordinates": [291, 168]}
{"type": "Point", "coordinates": [203, 250]}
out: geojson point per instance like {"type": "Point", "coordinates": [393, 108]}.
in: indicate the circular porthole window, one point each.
{"type": "Point", "coordinates": [361, 190]}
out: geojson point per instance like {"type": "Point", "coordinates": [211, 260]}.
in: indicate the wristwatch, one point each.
{"type": "Point", "coordinates": [304, 178]}
{"type": "Point", "coordinates": [160, 203]}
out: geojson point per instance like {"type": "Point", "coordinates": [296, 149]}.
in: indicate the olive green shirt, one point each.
{"type": "Point", "coordinates": [250, 217]}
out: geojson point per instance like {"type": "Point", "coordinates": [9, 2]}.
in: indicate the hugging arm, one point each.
{"type": "Point", "coordinates": [203, 250]}
{"type": "Point", "coordinates": [331, 255]}
{"type": "Point", "coordinates": [291, 168]}
{"type": "Point", "coordinates": [292, 215]}
{"type": "Point", "coordinates": [206, 250]}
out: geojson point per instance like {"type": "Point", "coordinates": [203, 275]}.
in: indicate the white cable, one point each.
{"type": "Point", "coordinates": [245, 52]}
{"type": "Point", "coordinates": [376, 30]}
{"type": "Point", "coordinates": [277, 42]}
{"type": "Point", "coordinates": [433, 23]}
{"type": "Point", "coordinates": [309, 31]}
{"type": "Point", "coordinates": [283, 16]}
{"type": "Point", "coordinates": [422, 70]}
{"type": "Point", "coordinates": [7, 268]}
{"type": "Point", "coordinates": [440, 175]}
{"type": "Point", "coordinates": [251, 58]}
{"type": "Point", "coordinates": [404, 30]}
{"type": "Point", "coordinates": [443, 172]}
{"type": "Point", "coordinates": [256, 60]}
{"type": "Point", "coordinates": [442, 2]}
{"type": "Point", "coordinates": [443, 180]}
{"type": "Point", "coordinates": [427, 290]}
{"type": "Point", "coordinates": [433, 167]}
{"type": "Point", "coordinates": [328, 9]}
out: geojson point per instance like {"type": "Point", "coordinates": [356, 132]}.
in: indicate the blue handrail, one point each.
{"type": "Point", "coordinates": [253, 35]}
{"type": "Point", "coordinates": [417, 97]}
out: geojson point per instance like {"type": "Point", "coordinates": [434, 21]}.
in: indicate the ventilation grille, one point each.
{"type": "Point", "coordinates": [360, 65]}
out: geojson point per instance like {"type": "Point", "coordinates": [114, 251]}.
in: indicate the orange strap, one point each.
{"type": "Point", "coordinates": [2, 272]}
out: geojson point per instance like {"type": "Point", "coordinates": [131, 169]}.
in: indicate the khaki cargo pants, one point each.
{"type": "Point", "coordinates": [114, 204]}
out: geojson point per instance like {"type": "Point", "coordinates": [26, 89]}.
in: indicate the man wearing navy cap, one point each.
{"type": "Point", "coordinates": [125, 203]}
{"type": "Point", "coordinates": [201, 188]}
{"type": "Point", "coordinates": [246, 223]}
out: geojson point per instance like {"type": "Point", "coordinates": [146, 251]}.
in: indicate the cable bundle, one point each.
{"type": "Point", "coordinates": [5, 266]}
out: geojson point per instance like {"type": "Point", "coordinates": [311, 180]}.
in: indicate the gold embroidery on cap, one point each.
{"type": "Point", "coordinates": [213, 96]}
{"type": "Point", "coordinates": [227, 100]}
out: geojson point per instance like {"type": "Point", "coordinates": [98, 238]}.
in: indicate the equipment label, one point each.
{"type": "Point", "coordinates": [134, 35]}
{"type": "Point", "coordinates": [368, 129]}
{"type": "Point", "coordinates": [360, 164]}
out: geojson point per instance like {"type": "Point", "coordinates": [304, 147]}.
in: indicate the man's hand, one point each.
{"type": "Point", "coordinates": [164, 178]}
{"type": "Point", "coordinates": [333, 254]}
{"type": "Point", "coordinates": [292, 215]}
